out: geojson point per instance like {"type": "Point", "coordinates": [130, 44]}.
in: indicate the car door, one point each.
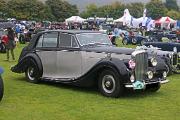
{"type": "Point", "coordinates": [46, 48]}
{"type": "Point", "coordinates": [69, 57]}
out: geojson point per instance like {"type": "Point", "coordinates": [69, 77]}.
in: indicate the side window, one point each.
{"type": "Point", "coordinates": [48, 40]}
{"type": "Point", "coordinates": [73, 42]}
{"type": "Point", "coordinates": [65, 40]}
{"type": "Point", "coordinates": [40, 41]}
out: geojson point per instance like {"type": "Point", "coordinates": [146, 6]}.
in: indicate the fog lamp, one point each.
{"type": "Point", "coordinates": [164, 74]}
{"type": "Point", "coordinates": [150, 74]}
{"type": "Point", "coordinates": [132, 78]}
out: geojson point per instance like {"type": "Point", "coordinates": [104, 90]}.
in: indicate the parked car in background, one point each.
{"type": "Point", "coordinates": [156, 35]}
{"type": "Point", "coordinates": [174, 47]}
{"type": "Point", "coordinates": [1, 85]}
{"type": "Point", "coordinates": [88, 58]}
{"type": "Point", "coordinates": [169, 57]}
{"type": "Point", "coordinates": [133, 38]}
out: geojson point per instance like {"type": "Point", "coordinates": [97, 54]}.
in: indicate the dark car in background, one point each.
{"type": "Point", "coordinates": [88, 58]}
{"type": "Point", "coordinates": [133, 37]}
{"type": "Point", "coordinates": [169, 46]}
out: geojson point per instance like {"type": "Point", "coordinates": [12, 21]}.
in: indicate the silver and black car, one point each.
{"type": "Point", "coordinates": [1, 85]}
{"type": "Point", "coordinates": [87, 58]}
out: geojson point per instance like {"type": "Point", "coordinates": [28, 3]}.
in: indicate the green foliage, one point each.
{"type": "Point", "coordinates": [3, 8]}
{"type": "Point", "coordinates": [174, 14]}
{"type": "Point", "coordinates": [156, 9]}
{"type": "Point", "coordinates": [26, 9]}
{"type": "Point", "coordinates": [114, 10]}
{"type": "Point", "coordinates": [61, 9]}
{"type": "Point", "coordinates": [172, 5]}
{"type": "Point", "coordinates": [136, 9]}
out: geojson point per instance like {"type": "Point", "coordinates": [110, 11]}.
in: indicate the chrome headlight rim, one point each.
{"type": "Point", "coordinates": [170, 55]}
{"type": "Point", "coordinates": [154, 62]}
{"type": "Point", "coordinates": [150, 75]}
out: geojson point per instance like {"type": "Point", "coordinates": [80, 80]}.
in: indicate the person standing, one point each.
{"type": "Point", "coordinates": [11, 44]}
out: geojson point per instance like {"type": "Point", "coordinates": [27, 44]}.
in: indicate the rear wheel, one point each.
{"type": "Point", "coordinates": [110, 84]}
{"type": "Point", "coordinates": [1, 88]}
{"type": "Point", "coordinates": [32, 73]}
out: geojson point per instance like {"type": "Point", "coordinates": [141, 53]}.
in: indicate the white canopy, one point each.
{"type": "Point", "coordinates": [76, 19]}
{"type": "Point", "coordinates": [126, 18]}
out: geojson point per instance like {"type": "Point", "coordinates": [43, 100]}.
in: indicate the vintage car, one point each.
{"type": "Point", "coordinates": [169, 46]}
{"type": "Point", "coordinates": [1, 85]}
{"type": "Point", "coordinates": [169, 57]}
{"type": "Point", "coordinates": [88, 58]}
{"type": "Point", "coordinates": [133, 38]}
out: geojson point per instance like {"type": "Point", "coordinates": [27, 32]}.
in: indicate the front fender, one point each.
{"type": "Point", "coordinates": [23, 63]}
{"type": "Point", "coordinates": [113, 63]}
{"type": "Point", "coordinates": [161, 66]}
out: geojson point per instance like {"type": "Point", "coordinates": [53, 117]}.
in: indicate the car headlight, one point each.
{"type": "Point", "coordinates": [150, 74]}
{"type": "Point", "coordinates": [154, 62]}
{"type": "Point", "coordinates": [164, 74]}
{"type": "Point", "coordinates": [170, 55]}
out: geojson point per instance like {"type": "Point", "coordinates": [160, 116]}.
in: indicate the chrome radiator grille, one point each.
{"type": "Point", "coordinates": [175, 59]}
{"type": "Point", "coordinates": [141, 66]}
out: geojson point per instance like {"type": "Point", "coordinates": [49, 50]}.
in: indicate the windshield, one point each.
{"type": "Point", "coordinates": [93, 38]}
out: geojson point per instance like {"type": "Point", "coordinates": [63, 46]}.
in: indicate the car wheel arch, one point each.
{"type": "Point", "coordinates": [114, 65]}
{"type": "Point", "coordinates": [23, 63]}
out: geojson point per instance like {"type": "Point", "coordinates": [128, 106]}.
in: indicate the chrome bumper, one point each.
{"type": "Point", "coordinates": [161, 82]}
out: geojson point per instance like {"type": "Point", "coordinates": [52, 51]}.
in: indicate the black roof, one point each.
{"type": "Point", "coordinates": [72, 31]}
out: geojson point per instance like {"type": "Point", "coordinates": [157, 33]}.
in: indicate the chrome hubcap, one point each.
{"type": "Point", "coordinates": [108, 83]}
{"type": "Point", "coordinates": [31, 73]}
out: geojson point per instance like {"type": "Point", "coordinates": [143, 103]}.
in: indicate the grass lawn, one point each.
{"type": "Point", "coordinates": [48, 101]}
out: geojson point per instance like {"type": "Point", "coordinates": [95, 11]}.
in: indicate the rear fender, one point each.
{"type": "Point", "coordinates": [24, 62]}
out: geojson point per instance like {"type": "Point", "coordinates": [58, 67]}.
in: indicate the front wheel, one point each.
{"type": "Point", "coordinates": [142, 41]}
{"type": "Point", "coordinates": [32, 73]}
{"type": "Point", "coordinates": [1, 88]}
{"type": "Point", "coordinates": [110, 84]}
{"type": "Point", "coordinates": [134, 41]}
{"type": "Point", "coordinates": [125, 41]}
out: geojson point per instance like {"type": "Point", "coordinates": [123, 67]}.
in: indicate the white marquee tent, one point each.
{"type": "Point", "coordinates": [74, 19]}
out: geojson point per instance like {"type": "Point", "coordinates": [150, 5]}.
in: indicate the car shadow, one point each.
{"type": "Point", "coordinates": [128, 94]}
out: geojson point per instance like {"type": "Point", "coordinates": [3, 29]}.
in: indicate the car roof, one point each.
{"type": "Point", "coordinates": [72, 31]}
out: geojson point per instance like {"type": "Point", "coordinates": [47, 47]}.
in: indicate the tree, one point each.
{"type": "Point", "coordinates": [156, 9]}
{"type": "Point", "coordinates": [61, 9]}
{"type": "Point", "coordinates": [172, 5]}
{"type": "Point", "coordinates": [136, 9]}
{"type": "Point", "coordinates": [2, 8]}
{"type": "Point", "coordinates": [26, 9]}
{"type": "Point", "coordinates": [174, 14]}
{"type": "Point", "coordinates": [91, 11]}
{"type": "Point", "coordinates": [114, 10]}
